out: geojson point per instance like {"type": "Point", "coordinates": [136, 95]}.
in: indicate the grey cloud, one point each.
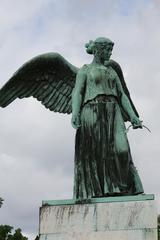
{"type": "Point", "coordinates": [37, 146]}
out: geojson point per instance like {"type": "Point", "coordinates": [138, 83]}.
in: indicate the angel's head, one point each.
{"type": "Point", "coordinates": [101, 47]}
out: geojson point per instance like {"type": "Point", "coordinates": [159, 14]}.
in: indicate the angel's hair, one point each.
{"type": "Point", "coordinates": [100, 42]}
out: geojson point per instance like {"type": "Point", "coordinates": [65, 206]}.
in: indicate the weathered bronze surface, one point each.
{"type": "Point", "coordinates": [100, 103]}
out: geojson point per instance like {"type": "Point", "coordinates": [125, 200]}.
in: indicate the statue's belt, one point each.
{"type": "Point", "coordinates": [101, 99]}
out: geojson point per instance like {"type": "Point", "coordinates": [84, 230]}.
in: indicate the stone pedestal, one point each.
{"type": "Point", "coordinates": [113, 218]}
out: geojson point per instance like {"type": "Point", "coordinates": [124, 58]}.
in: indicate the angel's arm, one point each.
{"type": "Point", "coordinates": [127, 105]}
{"type": "Point", "coordinates": [77, 97]}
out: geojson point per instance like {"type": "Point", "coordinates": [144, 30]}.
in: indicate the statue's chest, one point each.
{"type": "Point", "coordinates": [102, 76]}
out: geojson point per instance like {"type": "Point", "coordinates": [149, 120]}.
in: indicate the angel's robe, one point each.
{"type": "Point", "coordinates": [96, 85]}
{"type": "Point", "coordinates": [103, 162]}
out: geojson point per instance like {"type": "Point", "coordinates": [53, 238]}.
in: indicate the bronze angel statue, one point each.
{"type": "Point", "coordinates": [100, 103]}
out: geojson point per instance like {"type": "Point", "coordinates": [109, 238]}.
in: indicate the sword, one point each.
{"type": "Point", "coordinates": [137, 126]}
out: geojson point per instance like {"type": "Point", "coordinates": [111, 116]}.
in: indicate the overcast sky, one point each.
{"type": "Point", "coordinates": [36, 145]}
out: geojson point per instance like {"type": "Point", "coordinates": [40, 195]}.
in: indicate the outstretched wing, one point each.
{"type": "Point", "coordinates": [118, 70]}
{"type": "Point", "coordinates": [47, 77]}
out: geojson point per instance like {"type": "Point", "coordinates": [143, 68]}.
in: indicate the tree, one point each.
{"type": "Point", "coordinates": [18, 235]}
{"type": "Point", "coordinates": [37, 237]}
{"type": "Point", "coordinates": [1, 201]}
{"type": "Point", "coordinates": [158, 227]}
{"type": "Point", "coordinates": [6, 233]}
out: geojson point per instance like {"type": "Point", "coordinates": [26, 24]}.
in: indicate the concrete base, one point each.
{"type": "Point", "coordinates": [123, 220]}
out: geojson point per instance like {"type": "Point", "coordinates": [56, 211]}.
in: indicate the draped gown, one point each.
{"type": "Point", "coordinates": [103, 162]}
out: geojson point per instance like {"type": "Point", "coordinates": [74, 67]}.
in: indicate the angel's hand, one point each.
{"type": "Point", "coordinates": [76, 123]}
{"type": "Point", "coordinates": [136, 122]}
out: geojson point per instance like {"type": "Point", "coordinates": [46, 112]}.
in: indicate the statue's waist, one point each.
{"type": "Point", "coordinates": [92, 93]}
{"type": "Point", "coordinates": [102, 98]}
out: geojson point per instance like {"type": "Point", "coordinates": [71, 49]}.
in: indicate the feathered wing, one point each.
{"type": "Point", "coordinates": [118, 70]}
{"type": "Point", "coordinates": [48, 77]}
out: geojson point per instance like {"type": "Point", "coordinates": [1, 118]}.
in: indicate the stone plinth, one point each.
{"type": "Point", "coordinates": [113, 218]}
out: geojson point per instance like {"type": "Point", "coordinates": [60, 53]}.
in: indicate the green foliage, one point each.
{"type": "Point", "coordinates": [1, 201]}
{"type": "Point", "coordinates": [6, 233]}
{"type": "Point", "coordinates": [158, 227]}
{"type": "Point", "coordinates": [37, 238]}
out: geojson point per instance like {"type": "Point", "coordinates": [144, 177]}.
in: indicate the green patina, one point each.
{"type": "Point", "coordinates": [142, 197]}
{"type": "Point", "coordinates": [100, 103]}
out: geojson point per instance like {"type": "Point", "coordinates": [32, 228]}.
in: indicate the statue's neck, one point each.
{"type": "Point", "coordinates": [97, 60]}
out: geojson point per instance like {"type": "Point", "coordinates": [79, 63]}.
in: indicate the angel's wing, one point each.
{"type": "Point", "coordinates": [118, 70]}
{"type": "Point", "coordinates": [47, 77]}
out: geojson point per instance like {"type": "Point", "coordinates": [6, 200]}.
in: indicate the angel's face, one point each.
{"type": "Point", "coordinates": [107, 52]}
{"type": "Point", "coordinates": [104, 51]}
